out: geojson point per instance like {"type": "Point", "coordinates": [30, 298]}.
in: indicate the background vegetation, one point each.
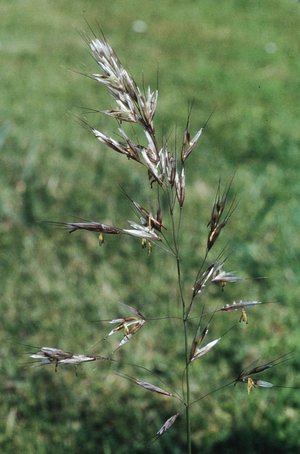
{"type": "Point", "coordinates": [239, 59]}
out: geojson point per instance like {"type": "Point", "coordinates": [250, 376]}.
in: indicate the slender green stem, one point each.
{"type": "Point", "coordinates": [187, 384]}
{"type": "Point", "coordinates": [186, 352]}
{"type": "Point", "coordinates": [185, 330]}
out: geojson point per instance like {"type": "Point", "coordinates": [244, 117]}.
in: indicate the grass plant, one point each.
{"type": "Point", "coordinates": [239, 61]}
{"type": "Point", "coordinates": [161, 228]}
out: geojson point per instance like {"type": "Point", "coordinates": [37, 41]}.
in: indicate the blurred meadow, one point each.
{"type": "Point", "coordinates": [237, 60]}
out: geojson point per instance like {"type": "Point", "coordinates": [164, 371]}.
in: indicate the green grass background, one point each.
{"type": "Point", "coordinates": [239, 59]}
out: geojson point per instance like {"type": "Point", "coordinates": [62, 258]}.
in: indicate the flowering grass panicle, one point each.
{"type": "Point", "coordinates": [167, 172]}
